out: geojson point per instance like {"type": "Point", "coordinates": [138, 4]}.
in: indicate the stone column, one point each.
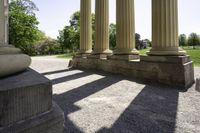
{"type": "Point", "coordinates": [102, 28]}
{"type": "Point", "coordinates": [125, 36]}
{"type": "Point", "coordinates": [85, 27]}
{"type": "Point", "coordinates": [165, 28]}
{"type": "Point", "coordinates": [3, 22]}
{"type": "Point", "coordinates": [125, 29]}
{"type": "Point", "coordinates": [11, 59]}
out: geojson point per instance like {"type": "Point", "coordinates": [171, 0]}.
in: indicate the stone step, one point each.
{"type": "Point", "coordinates": [24, 95]}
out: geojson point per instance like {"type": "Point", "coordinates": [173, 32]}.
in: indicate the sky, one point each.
{"type": "Point", "coordinates": [53, 15]}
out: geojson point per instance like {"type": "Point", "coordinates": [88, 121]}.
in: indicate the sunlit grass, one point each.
{"type": "Point", "coordinates": [194, 53]}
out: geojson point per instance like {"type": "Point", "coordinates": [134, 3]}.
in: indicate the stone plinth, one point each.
{"type": "Point", "coordinates": [174, 71]}
{"type": "Point", "coordinates": [123, 57]}
{"type": "Point", "coordinates": [48, 122]}
{"type": "Point", "coordinates": [25, 103]}
{"type": "Point", "coordinates": [98, 56]}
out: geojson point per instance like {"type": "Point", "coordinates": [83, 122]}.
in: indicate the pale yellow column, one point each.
{"type": "Point", "coordinates": [102, 27]}
{"type": "Point", "coordinates": [85, 27]}
{"type": "Point", "coordinates": [3, 22]}
{"type": "Point", "coordinates": [165, 28]}
{"type": "Point", "coordinates": [125, 36]}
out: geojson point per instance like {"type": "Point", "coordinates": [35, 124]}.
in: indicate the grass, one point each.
{"type": "Point", "coordinates": [66, 56]}
{"type": "Point", "coordinates": [194, 53]}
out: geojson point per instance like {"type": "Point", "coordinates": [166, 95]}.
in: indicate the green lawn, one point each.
{"type": "Point", "coordinates": [194, 53]}
{"type": "Point", "coordinates": [66, 56]}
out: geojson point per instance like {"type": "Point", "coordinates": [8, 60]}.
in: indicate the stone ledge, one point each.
{"type": "Point", "coordinates": [48, 122]}
{"type": "Point", "coordinates": [24, 95]}
{"type": "Point", "coordinates": [123, 57]}
{"type": "Point", "coordinates": [172, 71]}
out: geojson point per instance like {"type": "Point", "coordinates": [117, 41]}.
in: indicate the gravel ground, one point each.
{"type": "Point", "coordinates": [100, 102]}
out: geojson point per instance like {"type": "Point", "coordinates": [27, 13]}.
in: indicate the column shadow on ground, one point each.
{"type": "Point", "coordinates": [66, 100]}
{"type": "Point", "coordinates": [70, 77]}
{"type": "Point", "coordinates": [55, 72]}
{"type": "Point", "coordinates": [154, 110]}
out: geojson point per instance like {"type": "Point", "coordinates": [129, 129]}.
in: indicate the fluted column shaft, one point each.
{"type": "Point", "coordinates": [3, 22]}
{"type": "Point", "coordinates": [125, 35]}
{"type": "Point", "coordinates": [101, 27]}
{"type": "Point", "coordinates": [165, 28]}
{"type": "Point", "coordinates": [85, 27]}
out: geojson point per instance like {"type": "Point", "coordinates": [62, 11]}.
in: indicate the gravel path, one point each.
{"type": "Point", "coordinates": [100, 102]}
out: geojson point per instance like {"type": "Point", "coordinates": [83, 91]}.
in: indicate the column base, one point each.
{"type": "Point", "coordinates": [106, 52]}
{"type": "Point", "coordinates": [126, 52]}
{"type": "Point", "coordinates": [167, 52]}
{"type": "Point", "coordinates": [123, 57]}
{"type": "Point", "coordinates": [12, 60]}
{"type": "Point", "coordinates": [98, 56]}
{"type": "Point", "coordinates": [85, 52]}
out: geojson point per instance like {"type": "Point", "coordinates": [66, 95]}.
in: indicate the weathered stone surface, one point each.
{"type": "Point", "coordinates": [167, 59]}
{"type": "Point", "coordinates": [97, 56]}
{"type": "Point", "coordinates": [123, 57]}
{"type": "Point", "coordinates": [47, 122]}
{"type": "Point", "coordinates": [81, 55]}
{"type": "Point", "coordinates": [13, 63]}
{"type": "Point", "coordinates": [173, 71]}
{"type": "Point", "coordinates": [23, 96]}
{"type": "Point", "coordinates": [198, 84]}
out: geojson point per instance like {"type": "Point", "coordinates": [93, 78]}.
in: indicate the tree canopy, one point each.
{"type": "Point", "coordinates": [23, 30]}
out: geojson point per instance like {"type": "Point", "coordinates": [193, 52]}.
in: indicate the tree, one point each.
{"type": "Point", "coordinates": [182, 40]}
{"type": "Point", "coordinates": [148, 42]}
{"type": "Point", "coordinates": [193, 40]}
{"type": "Point", "coordinates": [112, 41]}
{"type": "Point", "coordinates": [69, 37]}
{"type": "Point", "coordinates": [23, 30]}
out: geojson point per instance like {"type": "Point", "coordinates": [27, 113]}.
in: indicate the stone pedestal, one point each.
{"type": "Point", "coordinates": [176, 71]}
{"type": "Point", "coordinates": [26, 105]}
{"type": "Point", "coordinates": [123, 57]}
{"type": "Point", "coordinates": [98, 56]}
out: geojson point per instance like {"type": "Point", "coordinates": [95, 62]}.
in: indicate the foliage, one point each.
{"type": "Point", "coordinates": [67, 56]}
{"type": "Point", "coordinates": [140, 44]}
{"type": "Point", "coordinates": [47, 46]}
{"type": "Point", "coordinates": [193, 40]}
{"type": "Point", "coordinates": [182, 40]}
{"type": "Point", "coordinates": [112, 37]}
{"type": "Point", "coordinates": [69, 37]}
{"type": "Point", "coordinates": [23, 30]}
